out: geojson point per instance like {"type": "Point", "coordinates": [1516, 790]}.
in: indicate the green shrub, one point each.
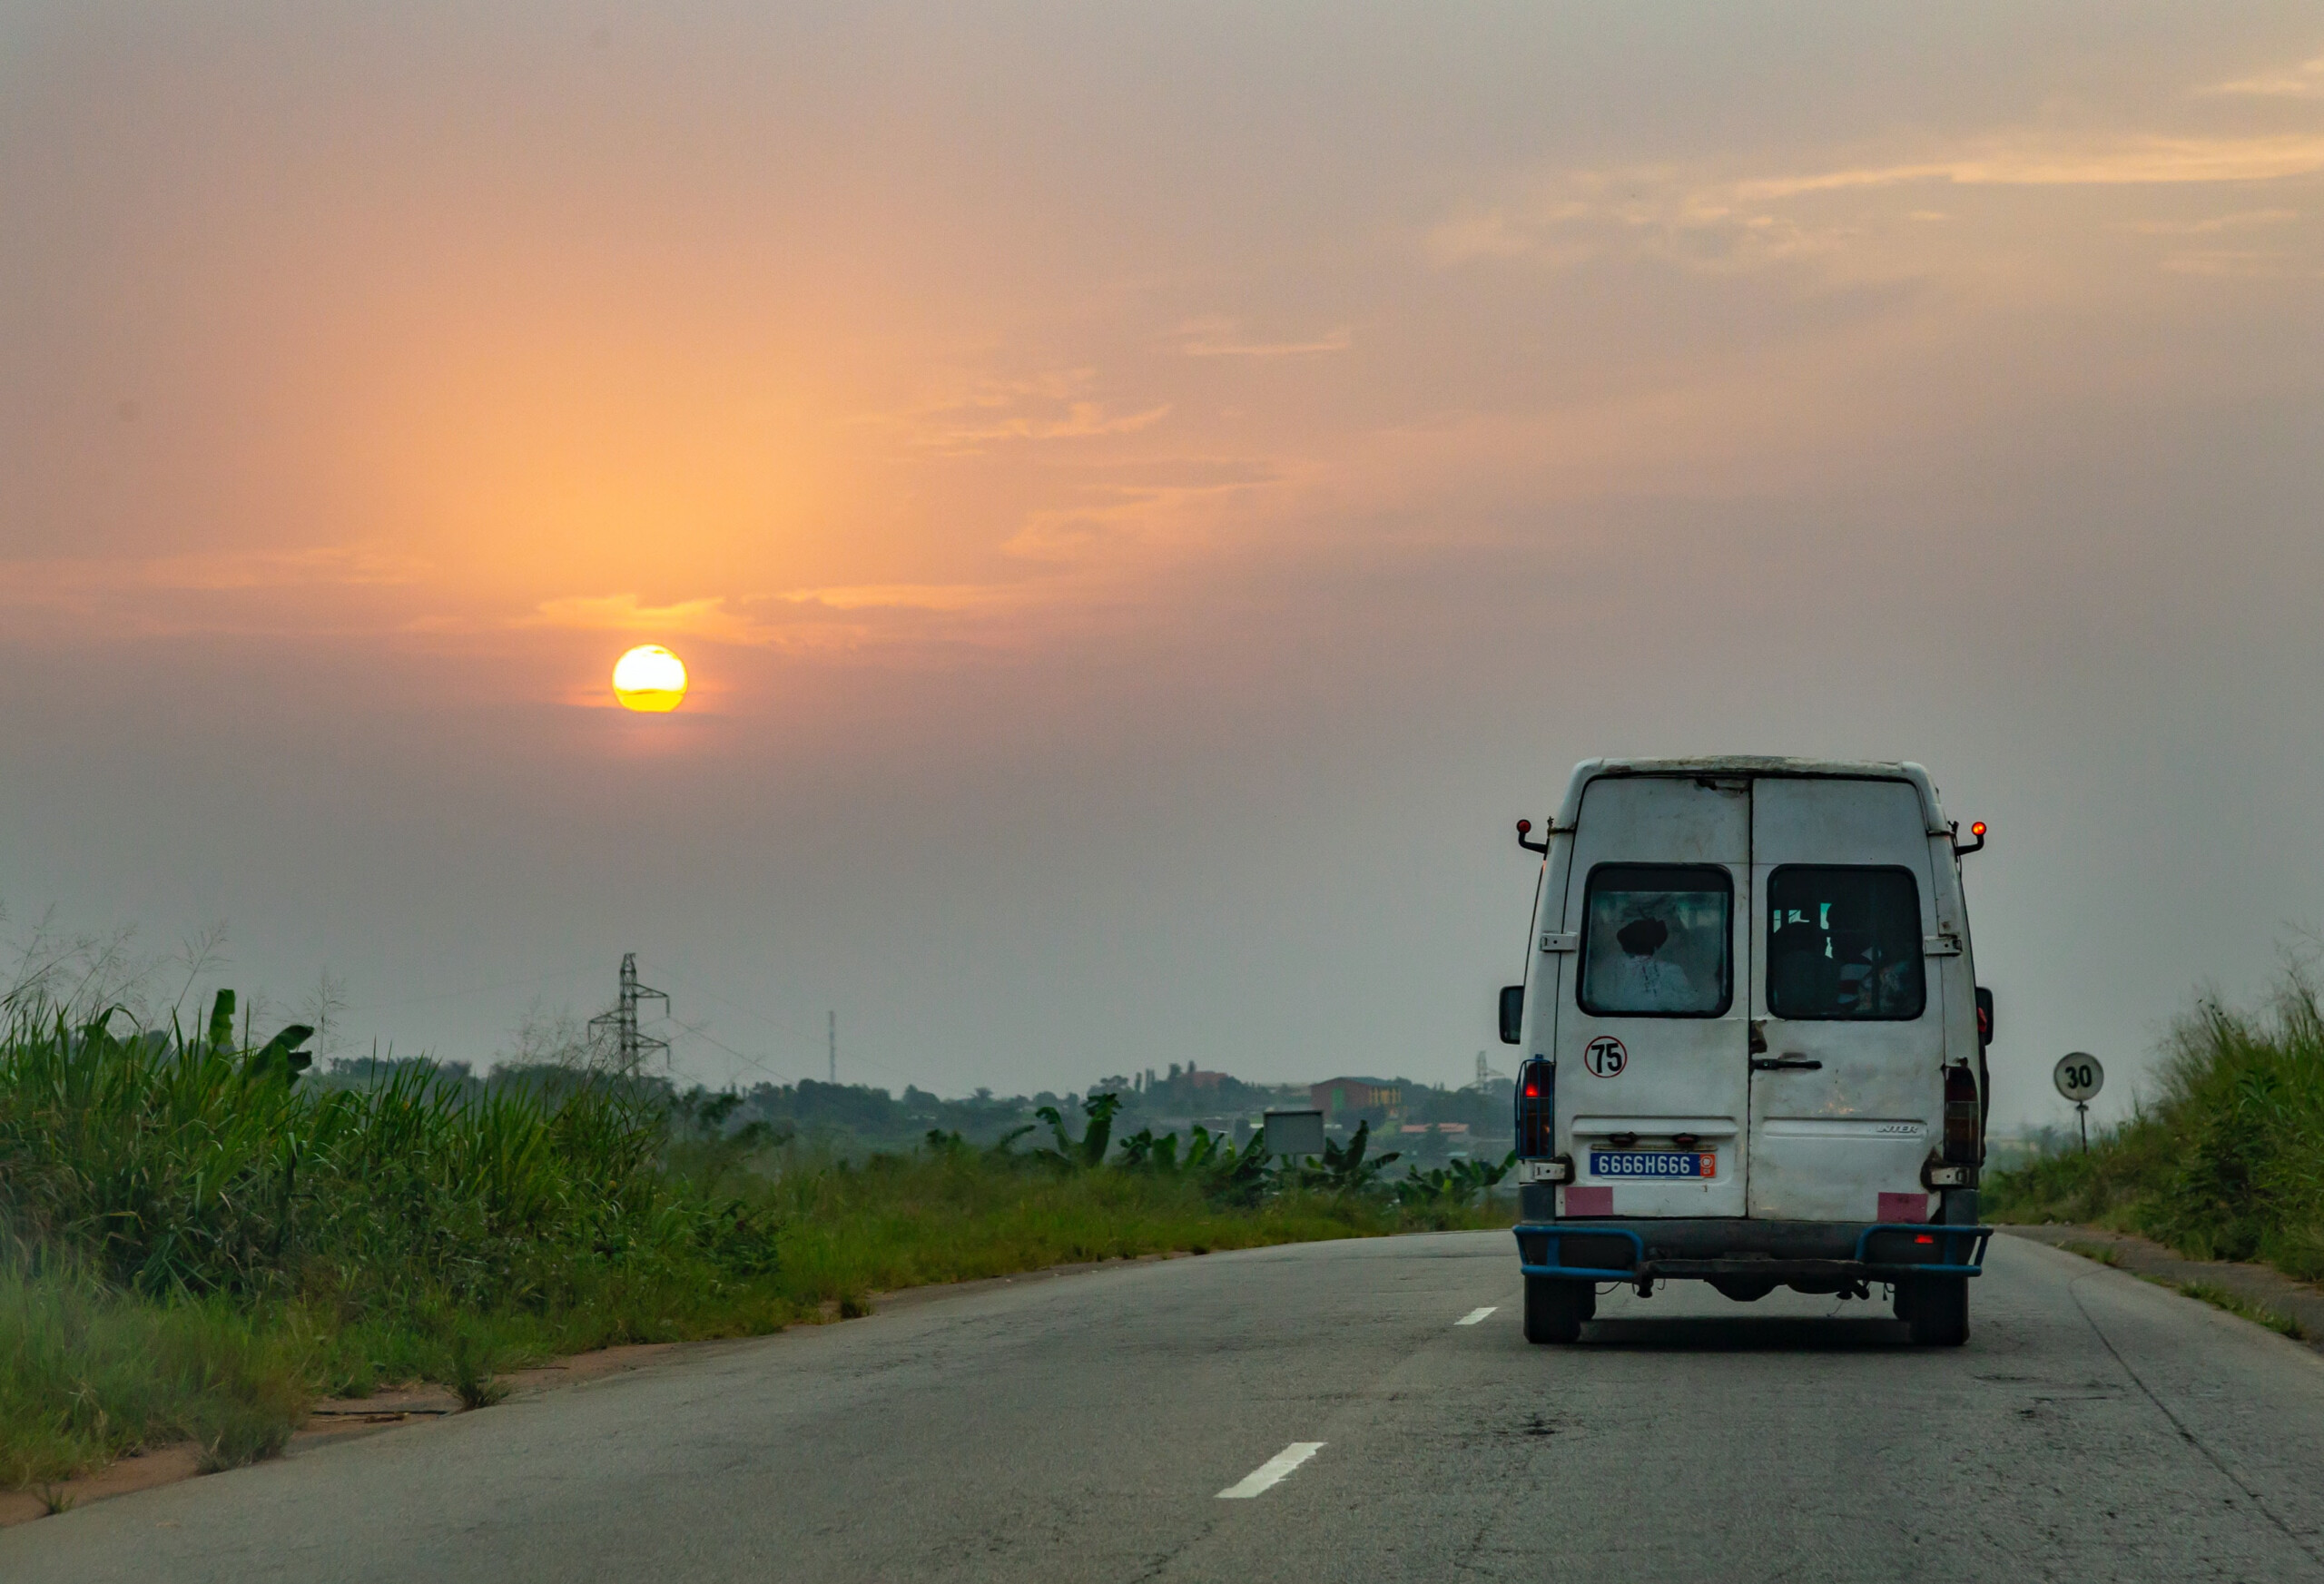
{"type": "Point", "coordinates": [2227, 1163]}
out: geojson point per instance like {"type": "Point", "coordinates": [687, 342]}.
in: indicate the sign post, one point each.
{"type": "Point", "coordinates": [2079, 1076]}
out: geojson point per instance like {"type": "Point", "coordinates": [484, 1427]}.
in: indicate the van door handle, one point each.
{"type": "Point", "coordinates": [1784, 1064]}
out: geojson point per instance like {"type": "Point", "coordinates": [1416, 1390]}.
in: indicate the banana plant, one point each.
{"type": "Point", "coordinates": [1089, 1150]}
{"type": "Point", "coordinates": [281, 1056]}
{"type": "Point", "coordinates": [1457, 1184]}
{"type": "Point", "coordinates": [1343, 1168]}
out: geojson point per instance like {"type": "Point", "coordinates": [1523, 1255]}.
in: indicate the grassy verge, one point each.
{"type": "Point", "coordinates": [88, 1372]}
{"type": "Point", "coordinates": [2227, 1163]}
{"type": "Point", "coordinates": [195, 1243]}
{"type": "Point", "coordinates": [2219, 1297]}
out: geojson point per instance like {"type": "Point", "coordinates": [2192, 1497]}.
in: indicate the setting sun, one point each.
{"type": "Point", "coordinates": [650, 678]}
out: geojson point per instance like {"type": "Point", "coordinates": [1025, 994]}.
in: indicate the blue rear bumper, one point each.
{"type": "Point", "coordinates": [1950, 1251]}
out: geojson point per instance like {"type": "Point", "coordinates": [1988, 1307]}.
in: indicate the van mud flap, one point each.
{"type": "Point", "coordinates": [1883, 1253]}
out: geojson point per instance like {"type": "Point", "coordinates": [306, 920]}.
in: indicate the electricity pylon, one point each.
{"type": "Point", "coordinates": [630, 1046]}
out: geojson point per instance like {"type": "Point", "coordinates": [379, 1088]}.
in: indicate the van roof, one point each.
{"type": "Point", "coordinates": [1756, 764]}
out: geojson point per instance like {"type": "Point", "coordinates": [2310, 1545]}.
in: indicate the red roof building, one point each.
{"type": "Point", "coordinates": [1335, 1096]}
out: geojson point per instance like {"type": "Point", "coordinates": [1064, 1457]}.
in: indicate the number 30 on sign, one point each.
{"type": "Point", "coordinates": [2079, 1076]}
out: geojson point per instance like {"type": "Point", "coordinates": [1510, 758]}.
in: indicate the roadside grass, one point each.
{"type": "Point", "coordinates": [2211, 1292]}
{"type": "Point", "coordinates": [88, 1372]}
{"type": "Point", "coordinates": [195, 1244]}
{"type": "Point", "coordinates": [949, 1217]}
{"type": "Point", "coordinates": [2226, 1163]}
{"type": "Point", "coordinates": [2235, 1303]}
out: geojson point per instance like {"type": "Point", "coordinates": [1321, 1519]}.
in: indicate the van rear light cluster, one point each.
{"type": "Point", "coordinates": [1536, 1109]}
{"type": "Point", "coordinates": [1961, 1142]}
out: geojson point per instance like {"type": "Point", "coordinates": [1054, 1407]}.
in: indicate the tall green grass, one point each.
{"type": "Point", "coordinates": [2227, 1162]}
{"type": "Point", "coordinates": [88, 1372]}
{"type": "Point", "coordinates": [196, 1241]}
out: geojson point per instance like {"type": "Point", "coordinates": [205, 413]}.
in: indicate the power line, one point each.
{"type": "Point", "coordinates": [696, 987]}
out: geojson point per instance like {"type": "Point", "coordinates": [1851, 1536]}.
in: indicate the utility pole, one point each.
{"type": "Point", "coordinates": [833, 1017]}
{"type": "Point", "coordinates": [631, 1047]}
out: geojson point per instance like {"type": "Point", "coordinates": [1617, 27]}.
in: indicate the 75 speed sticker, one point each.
{"type": "Point", "coordinates": [1605, 1056]}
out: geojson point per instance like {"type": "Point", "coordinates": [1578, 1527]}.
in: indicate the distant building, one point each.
{"type": "Point", "coordinates": [1451, 1130]}
{"type": "Point", "coordinates": [1337, 1096]}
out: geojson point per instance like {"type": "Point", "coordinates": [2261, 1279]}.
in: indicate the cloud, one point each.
{"type": "Point", "coordinates": [1707, 221]}
{"type": "Point", "coordinates": [911, 596]}
{"type": "Point", "coordinates": [1509, 233]}
{"type": "Point", "coordinates": [2229, 263]}
{"type": "Point", "coordinates": [1079, 420]}
{"type": "Point", "coordinates": [2213, 226]}
{"type": "Point", "coordinates": [210, 572]}
{"type": "Point", "coordinates": [155, 595]}
{"type": "Point", "coordinates": [1056, 403]}
{"type": "Point", "coordinates": [1145, 515]}
{"type": "Point", "coordinates": [2305, 81]}
{"type": "Point", "coordinates": [1216, 337]}
{"type": "Point", "coordinates": [708, 617]}
{"type": "Point", "coordinates": [2095, 161]}
{"type": "Point", "coordinates": [1688, 218]}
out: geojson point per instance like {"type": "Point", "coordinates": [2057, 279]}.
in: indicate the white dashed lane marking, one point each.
{"type": "Point", "coordinates": [1474, 1315]}
{"type": "Point", "coordinates": [1267, 1473]}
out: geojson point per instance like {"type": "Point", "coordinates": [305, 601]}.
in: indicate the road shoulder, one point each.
{"type": "Point", "coordinates": [2262, 1288]}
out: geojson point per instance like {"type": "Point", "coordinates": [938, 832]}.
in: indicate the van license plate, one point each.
{"type": "Point", "coordinates": [1652, 1162]}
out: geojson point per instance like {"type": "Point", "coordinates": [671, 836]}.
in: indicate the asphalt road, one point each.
{"type": "Point", "coordinates": [1093, 1426]}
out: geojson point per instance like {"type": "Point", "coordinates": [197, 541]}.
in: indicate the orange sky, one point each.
{"type": "Point", "coordinates": [1327, 421]}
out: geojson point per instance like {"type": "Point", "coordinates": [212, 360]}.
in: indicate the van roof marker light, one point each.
{"type": "Point", "coordinates": [1962, 848]}
{"type": "Point", "coordinates": [1525, 828]}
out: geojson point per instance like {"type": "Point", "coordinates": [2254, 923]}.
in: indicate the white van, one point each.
{"type": "Point", "coordinates": [1755, 1042]}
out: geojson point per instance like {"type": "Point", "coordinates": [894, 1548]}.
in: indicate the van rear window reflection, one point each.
{"type": "Point", "coordinates": [1654, 941]}
{"type": "Point", "coordinates": [1844, 943]}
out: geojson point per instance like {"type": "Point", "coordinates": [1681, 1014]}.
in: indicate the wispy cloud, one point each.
{"type": "Point", "coordinates": [2231, 264]}
{"type": "Point", "coordinates": [823, 620]}
{"type": "Point", "coordinates": [1079, 420]}
{"type": "Point", "coordinates": [2213, 226]}
{"type": "Point", "coordinates": [1218, 337]}
{"type": "Point", "coordinates": [1707, 220]}
{"type": "Point", "coordinates": [1129, 515]}
{"type": "Point", "coordinates": [182, 593]}
{"type": "Point", "coordinates": [1061, 404]}
{"type": "Point", "coordinates": [708, 617]}
{"type": "Point", "coordinates": [2040, 161]}
{"type": "Point", "coordinates": [909, 596]}
{"type": "Point", "coordinates": [2305, 81]}
{"type": "Point", "coordinates": [217, 571]}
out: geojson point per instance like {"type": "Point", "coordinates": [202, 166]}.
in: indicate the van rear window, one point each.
{"type": "Point", "coordinates": [1654, 941]}
{"type": "Point", "coordinates": [1844, 943]}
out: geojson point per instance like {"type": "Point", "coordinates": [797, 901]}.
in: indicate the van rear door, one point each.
{"type": "Point", "coordinates": [1847, 1094]}
{"type": "Point", "coordinates": [1651, 1028]}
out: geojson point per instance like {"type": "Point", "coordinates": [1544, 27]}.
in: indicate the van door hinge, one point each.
{"type": "Point", "coordinates": [1940, 946]}
{"type": "Point", "coordinates": [1565, 942]}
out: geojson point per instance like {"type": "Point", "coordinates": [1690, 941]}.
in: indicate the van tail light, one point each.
{"type": "Point", "coordinates": [1536, 1109]}
{"type": "Point", "coordinates": [1961, 1141]}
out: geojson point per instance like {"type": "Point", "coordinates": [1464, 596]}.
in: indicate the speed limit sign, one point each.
{"type": "Point", "coordinates": [2079, 1076]}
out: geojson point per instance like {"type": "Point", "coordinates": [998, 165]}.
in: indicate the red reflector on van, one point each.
{"type": "Point", "coordinates": [1923, 1238]}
